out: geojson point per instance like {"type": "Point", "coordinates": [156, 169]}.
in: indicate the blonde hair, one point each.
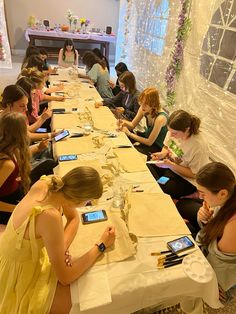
{"type": "Point", "coordinates": [14, 143]}
{"type": "Point", "coordinates": [150, 97]}
{"type": "Point", "coordinates": [79, 185]}
{"type": "Point", "coordinates": [34, 75]}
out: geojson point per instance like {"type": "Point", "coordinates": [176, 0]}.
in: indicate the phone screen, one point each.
{"type": "Point", "coordinates": [180, 244]}
{"type": "Point", "coordinates": [67, 157]}
{"type": "Point", "coordinates": [61, 135]}
{"type": "Point", "coordinates": [95, 216]}
{"type": "Point", "coordinates": [41, 130]}
{"type": "Point", "coordinates": [163, 180]}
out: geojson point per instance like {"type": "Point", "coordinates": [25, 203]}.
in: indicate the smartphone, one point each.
{"type": "Point", "coordinates": [95, 216]}
{"type": "Point", "coordinates": [62, 135]}
{"type": "Point", "coordinates": [41, 130]}
{"type": "Point", "coordinates": [58, 110]}
{"type": "Point", "coordinates": [180, 244]}
{"type": "Point", "coordinates": [67, 157]}
{"type": "Point", "coordinates": [77, 135]}
{"type": "Point", "coordinates": [163, 180]}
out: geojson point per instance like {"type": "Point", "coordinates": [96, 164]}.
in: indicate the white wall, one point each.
{"type": "Point", "coordinates": [101, 13]}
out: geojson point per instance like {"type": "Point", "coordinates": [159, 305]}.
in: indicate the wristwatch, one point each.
{"type": "Point", "coordinates": [101, 247]}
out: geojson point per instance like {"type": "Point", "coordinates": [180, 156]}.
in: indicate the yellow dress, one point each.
{"type": "Point", "coordinates": [27, 280]}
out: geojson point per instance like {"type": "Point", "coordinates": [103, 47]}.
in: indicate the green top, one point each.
{"type": "Point", "coordinates": [162, 134]}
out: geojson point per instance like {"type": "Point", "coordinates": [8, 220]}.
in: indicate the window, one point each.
{"type": "Point", "coordinates": [152, 26]}
{"type": "Point", "coordinates": [219, 48]}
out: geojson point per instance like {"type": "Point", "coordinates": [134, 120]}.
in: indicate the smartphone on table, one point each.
{"type": "Point", "coordinates": [41, 130]}
{"type": "Point", "coordinates": [180, 244]}
{"type": "Point", "coordinates": [58, 110]}
{"type": "Point", "coordinates": [62, 135]}
{"type": "Point", "coordinates": [94, 216]}
{"type": "Point", "coordinates": [67, 157]}
{"type": "Point", "coordinates": [163, 180]}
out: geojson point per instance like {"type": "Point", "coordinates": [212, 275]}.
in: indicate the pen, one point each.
{"type": "Point", "coordinates": [123, 146]}
{"type": "Point", "coordinates": [109, 198]}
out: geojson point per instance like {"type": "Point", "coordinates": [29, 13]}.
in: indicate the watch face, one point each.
{"type": "Point", "coordinates": [101, 247]}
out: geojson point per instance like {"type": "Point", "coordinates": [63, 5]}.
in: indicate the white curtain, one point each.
{"type": "Point", "coordinates": [5, 53]}
{"type": "Point", "coordinates": [147, 30]}
{"type": "Point", "coordinates": [207, 85]}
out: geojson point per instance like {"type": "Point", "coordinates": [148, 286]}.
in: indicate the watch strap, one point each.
{"type": "Point", "coordinates": [101, 247]}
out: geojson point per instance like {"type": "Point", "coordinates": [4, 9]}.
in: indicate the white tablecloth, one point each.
{"type": "Point", "coordinates": [136, 283]}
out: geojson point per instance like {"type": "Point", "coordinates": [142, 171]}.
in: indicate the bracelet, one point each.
{"type": "Point", "coordinates": [49, 136]}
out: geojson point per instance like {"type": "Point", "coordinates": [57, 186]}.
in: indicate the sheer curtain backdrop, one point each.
{"type": "Point", "coordinates": [5, 53]}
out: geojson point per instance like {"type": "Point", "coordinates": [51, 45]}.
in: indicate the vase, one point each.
{"type": "Point", "coordinates": [75, 28]}
{"type": "Point", "coordinates": [84, 29]}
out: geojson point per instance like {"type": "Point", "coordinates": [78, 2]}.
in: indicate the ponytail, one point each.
{"type": "Point", "coordinates": [181, 120]}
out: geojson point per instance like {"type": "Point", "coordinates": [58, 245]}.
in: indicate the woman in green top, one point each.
{"type": "Point", "coordinates": [97, 72]}
{"type": "Point", "coordinates": [156, 123]}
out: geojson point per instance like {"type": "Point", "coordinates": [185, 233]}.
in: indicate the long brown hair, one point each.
{"type": "Point", "coordinates": [150, 97]}
{"type": "Point", "coordinates": [215, 177]}
{"type": "Point", "coordinates": [89, 59]}
{"type": "Point", "coordinates": [128, 79]}
{"type": "Point", "coordinates": [14, 144]}
{"type": "Point", "coordinates": [68, 42]}
{"type": "Point", "coordinates": [79, 185]}
{"type": "Point", "coordinates": [11, 94]}
{"type": "Point", "coordinates": [181, 120]}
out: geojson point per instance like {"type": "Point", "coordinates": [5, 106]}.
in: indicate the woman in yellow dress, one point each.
{"type": "Point", "coordinates": [35, 270]}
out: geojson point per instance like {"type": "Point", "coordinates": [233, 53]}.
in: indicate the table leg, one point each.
{"type": "Point", "coordinates": [106, 47]}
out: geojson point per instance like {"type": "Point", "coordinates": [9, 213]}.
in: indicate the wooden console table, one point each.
{"type": "Point", "coordinates": [104, 41]}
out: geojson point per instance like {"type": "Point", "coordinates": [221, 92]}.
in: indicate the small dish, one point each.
{"type": "Point", "coordinates": [197, 268]}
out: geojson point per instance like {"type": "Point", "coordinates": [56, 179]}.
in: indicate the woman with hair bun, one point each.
{"type": "Point", "coordinates": [184, 153]}
{"type": "Point", "coordinates": [37, 244]}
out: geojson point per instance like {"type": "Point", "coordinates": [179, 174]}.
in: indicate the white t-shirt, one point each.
{"type": "Point", "coordinates": [192, 152]}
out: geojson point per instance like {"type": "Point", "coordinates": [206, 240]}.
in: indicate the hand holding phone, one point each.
{"type": "Point", "coordinates": [180, 244]}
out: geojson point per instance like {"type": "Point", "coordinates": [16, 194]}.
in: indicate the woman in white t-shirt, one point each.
{"type": "Point", "coordinates": [184, 153]}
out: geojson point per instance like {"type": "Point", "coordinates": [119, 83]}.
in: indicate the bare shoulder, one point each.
{"type": "Point", "coordinates": [228, 241]}
{"type": "Point", "coordinates": [7, 165]}
{"type": "Point", "coordinates": [38, 190]}
{"type": "Point", "coordinates": [161, 119]}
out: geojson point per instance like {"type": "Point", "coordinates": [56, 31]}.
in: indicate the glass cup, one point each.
{"type": "Point", "coordinates": [88, 128]}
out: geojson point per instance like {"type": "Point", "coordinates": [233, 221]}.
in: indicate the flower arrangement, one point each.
{"type": "Point", "coordinates": [84, 21]}
{"type": "Point", "coordinates": [176, 63]}
{"type": "Point", "coordinates": [31, 21]}
{"type": "Point", "coordinates": [69, 16]}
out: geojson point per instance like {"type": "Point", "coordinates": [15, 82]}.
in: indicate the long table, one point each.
{"type": "Point", "coordinates": [103, 40]}
{"type": "Point", "coordinates": [134, 283]}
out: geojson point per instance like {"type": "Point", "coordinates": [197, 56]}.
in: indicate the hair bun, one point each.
{"type": "Point", "coordinates": [56, 184]}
